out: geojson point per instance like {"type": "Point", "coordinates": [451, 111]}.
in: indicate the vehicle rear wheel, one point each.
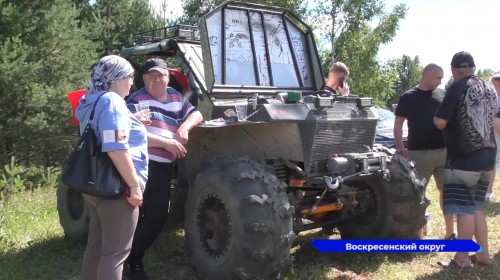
{"type": "Point", "coordinates": [73, 213]}
{"type": "Point", "coordinates": [238, 221]}
{"type": "Point", "coordinates": [395, 209]}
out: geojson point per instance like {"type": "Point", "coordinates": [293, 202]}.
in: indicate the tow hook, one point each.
{"type": "Point", "coordinates": [331, 186]}
{"type": "Point", "coordinates": [387, 175]}
{"type": "Point", "coordinates": [329, 181]}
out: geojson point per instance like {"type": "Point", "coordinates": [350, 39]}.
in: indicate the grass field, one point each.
{"type": "Point", "coordinates": [32, 246]}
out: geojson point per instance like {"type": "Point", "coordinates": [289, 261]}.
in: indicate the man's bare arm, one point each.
{"type": "Point", "coordinates": [192, 121]}
{"type": "Point", "coordinates": [398, 135]}
{"type": "Point", "coordinates": [440, 123]}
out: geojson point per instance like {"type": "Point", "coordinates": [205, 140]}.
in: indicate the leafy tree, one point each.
{"type": "Point", "coordinates": [43, 55]}
{"type": "Point", "coordinates": [335, 19]}
{"type": "Point", "coordinates": [162, 17]}
{"type": "Point", "coordinates": [355, 30]}
{"type": "Point", "coordinates": [114, 21]}
{"type": "Point", "coordinates": [485, 74]}
{"type": "Point", "coordinates": [409, 72]}
{"type": "Point", "coordinates": [85, 10]}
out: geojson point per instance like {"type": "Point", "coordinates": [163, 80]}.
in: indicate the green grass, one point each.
{"type": "Point", "coordinates": [32, 246]}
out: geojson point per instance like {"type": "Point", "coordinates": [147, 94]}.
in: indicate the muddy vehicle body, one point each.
{"type": "Point", "coordinates": [301, 159]}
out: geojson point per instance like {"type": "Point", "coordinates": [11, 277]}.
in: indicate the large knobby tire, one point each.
{"type": "Point", "coordinates": [396, 208]}
{"type": "Point", "coordinates": [238, 221]}
{"type": "Point", "coordinates": [73, 213]}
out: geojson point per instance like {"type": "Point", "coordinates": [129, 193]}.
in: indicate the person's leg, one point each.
{"type": "Point", "coordinates": [425, 167]}
{"type": "Point", "coordinates": [459, 199]}
{"type": "Point", "coordinates": [481, 227]}
{"type": "Point", "coordinates": [465, 229]}
{"type": "Point", "coordinates": [118, 221]}
{"type": "Point", "coordinates": [489, 192]}
{"type": "Point", "coordinates": [481, 235]}
{"type": "Point", "coordinates": [92, 254]}
{"type": "Point", "coordinates": [438, 173]}
{"type": "Point", "coordinates": [449, 220]}
{"type": "Point", "coordinates": [154, 212]}
{"type": "Point", "coordinates": [423, 164]}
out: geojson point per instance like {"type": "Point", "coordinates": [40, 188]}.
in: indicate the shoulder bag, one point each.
{"type": "Point", "coordinates": [89, 170]}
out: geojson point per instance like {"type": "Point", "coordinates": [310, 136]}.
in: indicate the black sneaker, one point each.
{"type": "Point", "coordinates": [453, 236]}
{"type": "Point", "coordinates": [134, 271]}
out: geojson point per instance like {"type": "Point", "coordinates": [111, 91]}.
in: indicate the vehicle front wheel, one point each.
{"type": "Point", "coordinates": [395, 208]}
{"type": "Point", "coordinates": [238, 221]}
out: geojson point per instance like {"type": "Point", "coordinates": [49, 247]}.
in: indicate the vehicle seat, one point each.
{"type": "Point", "coordinates": [178, 81]}
{"type": "Point", "coordinates": [74, 98]}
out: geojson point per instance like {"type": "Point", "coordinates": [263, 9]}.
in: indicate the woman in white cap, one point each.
{"type": "Point", "coordinates": [123, 137]}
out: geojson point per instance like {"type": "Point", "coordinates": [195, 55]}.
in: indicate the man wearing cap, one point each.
{"type": "Point", "coordinates": [172, 117]}
{"type": "Point", "coordinates": [466, 117]}
{"type": "Point", "coordinates": [495, 80]}
{"type": "Point", "coordinates": [425, 142]}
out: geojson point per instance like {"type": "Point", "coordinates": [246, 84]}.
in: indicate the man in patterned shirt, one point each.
{"type": "Point", "coordinates": [172, 117]}
{"type": "Point", "coordinates": [466, 117]}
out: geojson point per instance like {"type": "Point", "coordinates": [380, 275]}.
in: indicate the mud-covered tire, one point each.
{"type": "Point", "coordinates": [73, 213]}
{"type": "Point", "coordinates": [397, 208]}
{"type": "Point", "coordinates": [238, 221]}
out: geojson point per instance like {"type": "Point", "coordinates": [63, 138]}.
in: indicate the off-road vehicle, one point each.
{"type": "Point", "coordinates": [301, 159]}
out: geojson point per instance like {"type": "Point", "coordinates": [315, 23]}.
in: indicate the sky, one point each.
{"type": "Point", "coordinates": [172, 5]}
{"type": "Point", "coordinates": [436, 29]}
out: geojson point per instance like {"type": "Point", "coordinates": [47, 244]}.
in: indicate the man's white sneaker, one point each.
{"type": "Point", "coordinates": [489, 196]}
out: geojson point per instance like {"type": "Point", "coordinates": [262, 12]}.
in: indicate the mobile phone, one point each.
{"type": "Point", "coordinates": [342, 81]}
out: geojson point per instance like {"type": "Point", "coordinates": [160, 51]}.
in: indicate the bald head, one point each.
{"type": "Point", "coordinates": [431, 77]}
{"type": "Point", "coordinates": [432, 67]}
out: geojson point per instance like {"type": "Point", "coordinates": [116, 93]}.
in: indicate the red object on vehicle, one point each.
{"type": "Point", "coordinates": [181, 79]}
{"type": "Point", "coordinates": [74, 98]}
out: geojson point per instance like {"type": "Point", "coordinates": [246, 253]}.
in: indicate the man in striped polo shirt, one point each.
{"type": "Point", "coordinates": [172, 117]}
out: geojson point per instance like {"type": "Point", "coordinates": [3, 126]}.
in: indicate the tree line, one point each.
{"type": "Point", "coordinates": [47, 49]}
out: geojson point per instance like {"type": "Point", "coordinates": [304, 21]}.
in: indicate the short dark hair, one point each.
{"type": "Point", "coordinates": [339, 67]}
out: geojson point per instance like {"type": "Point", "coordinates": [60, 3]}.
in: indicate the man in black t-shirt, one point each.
{"type": "Point", "coordinates": [466, 116]}
{"type": "Point", "coordinates": [425, 141]}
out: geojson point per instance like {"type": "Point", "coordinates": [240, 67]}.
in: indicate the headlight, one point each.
{"type": "Point", "coordinates": [364, 102]}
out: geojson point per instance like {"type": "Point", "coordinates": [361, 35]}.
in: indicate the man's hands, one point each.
{"type": "Point", "coordinates": [398, 136]}
{"type": "Point", "coordinates": [344, 90]}
{"type": "Point", "coordinates": [175, 147]}
{"type": "Point", "coordinates": [182, 136]}
{"type": "Point", "coordinates": [144, 116]}
{"type": "Point", "coordinates": [403, 152]}
{"type": "Point", "coordinates": [134, 196]}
